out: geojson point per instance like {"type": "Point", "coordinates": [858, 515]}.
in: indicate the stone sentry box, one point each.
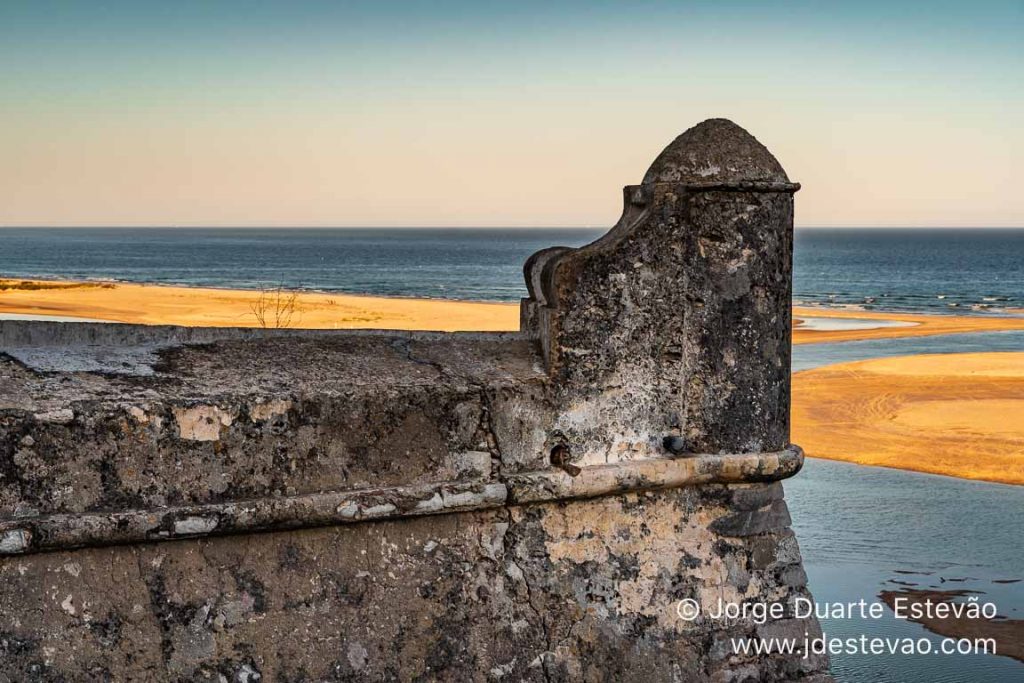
{"type": "Point", "coordinates": [224, 505]}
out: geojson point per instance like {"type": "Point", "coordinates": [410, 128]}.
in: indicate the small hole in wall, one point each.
{"type": "Point", "coordinates": [560, 458]}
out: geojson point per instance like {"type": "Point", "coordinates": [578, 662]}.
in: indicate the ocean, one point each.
{"type": "Point", "coordinates": [928, 270]}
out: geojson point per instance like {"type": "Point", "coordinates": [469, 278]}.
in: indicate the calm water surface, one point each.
{"type": "Point", "coordinates": [861, 529]}
{"type": "Point", "coordinates": [807, 356]}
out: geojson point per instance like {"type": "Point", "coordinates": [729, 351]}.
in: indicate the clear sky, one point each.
{"type": "Point", "coordinates": [516, 113]}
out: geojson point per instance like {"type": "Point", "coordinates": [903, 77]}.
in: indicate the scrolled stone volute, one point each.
{"type": "Point", "coordinates": [673, 329]}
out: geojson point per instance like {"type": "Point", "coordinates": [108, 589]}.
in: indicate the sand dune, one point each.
{"type": "Point", "coordinates": [953, 414]}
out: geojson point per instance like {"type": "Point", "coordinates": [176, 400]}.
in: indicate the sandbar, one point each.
{"type": "Point", "coordinates": [897, 325]}
{"type": "Point", "coordinates": [954, 414]}
{"type": "Point", "coordinates": [1008, 634]}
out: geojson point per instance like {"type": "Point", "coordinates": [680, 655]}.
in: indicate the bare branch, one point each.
{"type": "Point", "coordinates": [275, 307]}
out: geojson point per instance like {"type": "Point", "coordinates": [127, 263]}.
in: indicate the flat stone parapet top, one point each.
{"type": "Point", "coordinates": [282, 416]}
{"type": "Point", "coordinates": [183, 365]}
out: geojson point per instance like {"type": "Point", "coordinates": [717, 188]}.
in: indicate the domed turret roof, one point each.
{"type": "Point", "coordinates": [716, 151]}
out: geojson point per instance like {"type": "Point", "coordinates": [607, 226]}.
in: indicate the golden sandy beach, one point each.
{"type": "Point", "coordinates": [206, 307]}
{"type": "Point", "coordinates": [960, 414]}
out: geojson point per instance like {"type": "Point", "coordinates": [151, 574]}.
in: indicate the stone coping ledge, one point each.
{"type": "Point", "coordinates": [67, 531]}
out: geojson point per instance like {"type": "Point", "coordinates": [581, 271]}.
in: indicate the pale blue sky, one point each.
{"type": "Point", "coordinates": [474, 113]}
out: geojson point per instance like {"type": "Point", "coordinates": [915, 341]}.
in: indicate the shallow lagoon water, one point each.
{"type": "Point", "coordinates": [865, 529]}
{"type": "Point", "coordinates": [807, 356]}
{"type": "Point", "coordinates": [834, 324]}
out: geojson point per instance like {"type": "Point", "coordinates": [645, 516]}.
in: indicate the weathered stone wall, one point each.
{"type": "Point", "coordinates": [229, 506]}
{"type": "Point", "coordinates": [580, 591]}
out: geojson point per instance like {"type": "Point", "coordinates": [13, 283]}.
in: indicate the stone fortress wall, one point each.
{"type": "Point", "coordinates": [231, 505]}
